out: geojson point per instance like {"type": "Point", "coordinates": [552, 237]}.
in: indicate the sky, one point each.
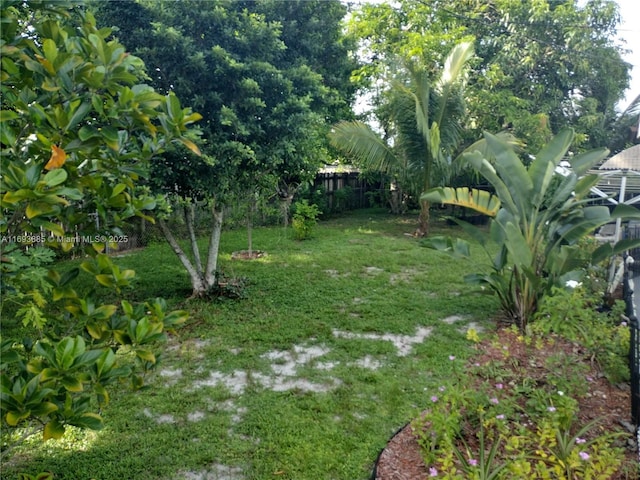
{"type": "Point", "coordinates": [629, 30]}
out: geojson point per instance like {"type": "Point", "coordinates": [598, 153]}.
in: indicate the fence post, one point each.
{"type": "Point", "coordinates": [634, 344]}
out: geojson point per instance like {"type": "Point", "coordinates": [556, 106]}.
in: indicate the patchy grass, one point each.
{"type": "Point", "coordinates": [332, 350]}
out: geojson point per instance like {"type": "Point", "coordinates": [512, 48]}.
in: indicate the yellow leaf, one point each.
{"type": "Point", "coordinates": [190, 145]}
{"type": "Point", "coordinates": [58, 157]}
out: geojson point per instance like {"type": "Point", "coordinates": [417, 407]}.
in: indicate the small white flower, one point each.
{"type": "Point", "coordinates": [561, 393]}
{"type": "Point", "coordinates": [573, 284]}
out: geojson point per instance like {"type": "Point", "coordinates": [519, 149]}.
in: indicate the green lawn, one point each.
{"type": "Point", "coordinates": [306, 378]}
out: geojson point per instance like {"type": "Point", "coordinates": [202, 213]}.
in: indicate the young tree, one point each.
{"type": "Point", "coordinates": [425, 114]}
{"type": "Point", "coordinates": [79, 128]}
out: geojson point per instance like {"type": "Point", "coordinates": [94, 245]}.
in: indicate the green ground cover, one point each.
{"type": "Point", "coordinates": [333, 348]}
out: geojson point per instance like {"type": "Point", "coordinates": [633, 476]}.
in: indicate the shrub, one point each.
{"type": "Point", "coordinates": [305, 219]}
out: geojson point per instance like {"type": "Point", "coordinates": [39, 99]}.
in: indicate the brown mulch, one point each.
{"type": "Point", "coordinates": [611, 404]}
{"type": "Point", "coordinates": [246, 255]}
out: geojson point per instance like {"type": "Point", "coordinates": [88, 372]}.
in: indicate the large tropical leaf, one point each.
{"type": "Point", "coordinates": [484, 168]}
{"type": "Point", "coordinates": [479, 200]}
{"type": "Point", "coordinates": [543, 167]}
{"type": "Point", "coordinates": [513, 173]}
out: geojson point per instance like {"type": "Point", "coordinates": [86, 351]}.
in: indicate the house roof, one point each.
{"type": "Point", "coordinates": [628, 159]}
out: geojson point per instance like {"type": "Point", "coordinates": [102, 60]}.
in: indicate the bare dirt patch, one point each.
{"type": "Point", "coordinates": [404, 343]}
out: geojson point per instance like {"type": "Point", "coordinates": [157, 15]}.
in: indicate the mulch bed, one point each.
{"type": "Point", "coordinates": [402, 458]}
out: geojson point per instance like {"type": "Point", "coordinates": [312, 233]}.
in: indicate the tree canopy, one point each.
{"type": "Point", "coordinates": [268, 78]}
{"type": "Point", "coordinates": [540, 65]}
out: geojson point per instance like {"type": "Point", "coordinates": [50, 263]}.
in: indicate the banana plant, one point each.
{"type": "Point", "coordinates": [538, 215]}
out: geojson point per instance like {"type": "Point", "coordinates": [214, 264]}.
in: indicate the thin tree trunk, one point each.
{"type": "Point", "coordinates": [423, 220]}
{"type": "Point", "coordinates": [190, 214]}
{"type": "Point", "coordinates": [252, 208]}
{"type": "Point", "coordinates": [286, 208]}
{"type": "Point", "coordinates": [197, 282]}
{"type": "Point", "coordinates": [214, 246]}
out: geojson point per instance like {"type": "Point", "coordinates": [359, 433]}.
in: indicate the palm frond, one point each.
{"type": "Point", "coordinates": [454, 67]}
{"type": "Point", "coordinates": [358, 140]}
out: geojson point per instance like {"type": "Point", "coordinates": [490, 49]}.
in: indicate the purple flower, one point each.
{"type": "Point", "coordinates": [473, 462]}
{"type": "Point", "coordinates": [623, 324]}
{"type": "Point", "coordinates": [434, 398]}
{"type": "Point", "coordinates": [499, 386]}
{"type": "Point", "coordinates": [452, 357]}
{"type": "Point", "coordinates": [584, 455]}
{"type": "Point", "coordinates": [494, 400]}
{"type": "Point", "coordinates": [500, 417]}
{"type": "Point", "coordinates": [433, 472]}
{"type": "Point", "coordinates": [580, 440]}
{"type": "Point", "coordinates": [551, 408]}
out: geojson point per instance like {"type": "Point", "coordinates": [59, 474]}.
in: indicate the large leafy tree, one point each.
{"type": "Point", "coordinates": [79, 128]}
{"type": "Point", "coordinates": [264, 106]}
{"type": "Point", "coordinates": [541, 65]}
{"type": "Point", "coordinates": [423, 115]}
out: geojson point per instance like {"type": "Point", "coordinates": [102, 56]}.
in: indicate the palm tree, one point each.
{"type": "Point", "coordinates": [425, 118]}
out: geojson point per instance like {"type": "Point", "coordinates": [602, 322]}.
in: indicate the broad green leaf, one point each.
{"type": "Point", "coordinates": [14, 418]}
{"type": "Point", "coordinates": [516, 243]}
{"type": "Point", "coordinates": [146, 355]}
{"type": "Point", "coordinates": [53, 430]}
{"type": "Point", "coordinates": [50, 49]}
{"type": "Point", "coordinates": [583, 162]}
{"type": "Point", "coordinates": [67, 350]}
{"type": "Point", "coordinates": [55, 177]}
{"type": "Point", "coordinates": [72, 384]}
{"type": "Point", "coordinates": [106, 280]}
{"type": "Point", "coordinates": [512, 172]}
{"type": "Point", "coordinates": [6, 115]}
{"type": "Point", "coordinates": [78, 115]}
{"type": "Point", "coordinates": [543, 167]}
{"type": "Point", "coordinates": [44, 408]}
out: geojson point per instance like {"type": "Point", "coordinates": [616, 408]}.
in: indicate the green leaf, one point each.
{"type": "Point", "coordinates": [78, 115]}
{"type": "Point", "coordinates": [55, 177]}
{"type": "Point", "coordinates": [106, 280]}
{"type": "Point", "coordinates": [67, 351]}
{"type": "Point", "coordinates": [6, 115]}
{"type": "Point", "coordinates": [512, 172]}
{"type": "Point", "coordinates": [14, 418]}
{"type": "Point", "coordinates": [91, 421]}
{"type": "Point", "coordinates": [146, 355]}
{"type": "Point", "coordinates": [72, 384]}
{"type": "Point", "coordinates": [53, 430]}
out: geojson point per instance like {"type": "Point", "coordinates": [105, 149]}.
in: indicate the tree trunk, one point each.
{"type": "Point", "coordinates": [285, 203]}
{"type": "Point", "coordinates": [423, 220]}
{"type": "Point", "coordinates": [198, 283]}
{"type": "Point", "coordinates": [190, 215]}
{"type": "Point", "coordinates": [252, 209]}
{"type": "Point", "coordinates": [214, 246]}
